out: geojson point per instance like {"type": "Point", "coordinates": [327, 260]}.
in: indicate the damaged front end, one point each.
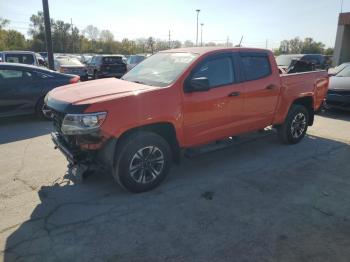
{"type": "Point", "coordinates": [78, 136]}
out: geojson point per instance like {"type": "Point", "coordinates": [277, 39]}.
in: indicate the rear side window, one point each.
{"type": "Point", "coordinates": [219, 71]}
{"type": "Point", "coordinates": [11, 74]}
{"type": "Point", "coordinates": [20, 58]}
{"type": "Point", "coordinates": [112, 60]}
{"type": "Point", "coordinates": [255, 66]}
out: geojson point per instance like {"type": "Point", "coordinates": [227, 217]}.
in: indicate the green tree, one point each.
{"type": "Point", "coordinates": [312, 47]}
{"type": "Point", "coordinates": [329, 51]}
{"type": "Point", "coordinates": [14, 40]}
{"type": "Point", "coordinates": [37, 31]}
{"type": "Point", "coordinates": [3, 23]}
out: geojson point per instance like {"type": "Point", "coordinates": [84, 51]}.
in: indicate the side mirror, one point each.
{"type": "Point", "coordinates": [41, 62]}
{"type": "Point", "coordinates": [199, 84]}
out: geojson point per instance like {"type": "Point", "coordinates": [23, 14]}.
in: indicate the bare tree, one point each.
{"type": "Point", "coordinates": [91, 32]}
{"type": "Point", "coordinates": [106, 36]}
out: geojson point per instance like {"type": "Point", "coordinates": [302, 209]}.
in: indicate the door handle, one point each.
{"type": "Point", "coordinates": [234, 94]}
{"type": "Point", "coordinates": [270, 87]}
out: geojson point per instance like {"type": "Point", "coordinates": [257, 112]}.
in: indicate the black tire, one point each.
{"type": "Point", "coordinates": [286, 132]}
{"type": "Point", "coordinates": [39, 109]}
{"type": "Point", "coordinates": [95, 76]}
{"type": "Point", "coordinates": [128, 154]}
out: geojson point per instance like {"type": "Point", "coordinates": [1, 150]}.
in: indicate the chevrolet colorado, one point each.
{"type": "Point", "coordinates": [136, 126]}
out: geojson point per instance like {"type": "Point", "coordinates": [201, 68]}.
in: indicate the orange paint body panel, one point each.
{"type": "Point", "coordinates": [197, 117]}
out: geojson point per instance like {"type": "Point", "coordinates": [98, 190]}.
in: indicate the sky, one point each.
{"type": "Point", "coordinates": [261, 22]}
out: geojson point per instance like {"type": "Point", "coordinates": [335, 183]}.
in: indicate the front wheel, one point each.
{"type": "Point", "coordinates": [295, 125]}
{"type": "Point", "coordinates": [142, 161]}
{"type": "Point", "coordinates": [40, 109]}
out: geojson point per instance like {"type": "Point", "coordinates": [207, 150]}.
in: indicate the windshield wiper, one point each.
{"type": "Point", "coordinates": [140, 82]}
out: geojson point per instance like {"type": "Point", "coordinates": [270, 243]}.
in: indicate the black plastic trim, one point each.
{"type": "Point", "coordinates": [65, 107]}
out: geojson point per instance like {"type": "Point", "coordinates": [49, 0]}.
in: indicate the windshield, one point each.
{"type": "Point", "coordinates": [69, 61]}
{"type": "Point", "coordinates": [339, 68]}
{"type": "Point", "coordinates": [160, 69]}
{"type": "Point", "coordinates": [285, 60]}
{"type": "Point", "coordinates": [345, 72]}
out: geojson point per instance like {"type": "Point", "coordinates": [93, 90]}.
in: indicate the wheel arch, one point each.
{"type": "Point", "coordinates": [308, 102]}
{"type": "Point", "coordinates": [164, 129]}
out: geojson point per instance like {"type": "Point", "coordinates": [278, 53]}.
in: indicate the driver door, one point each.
{"type": "Point", "coordinates": [213, 114]}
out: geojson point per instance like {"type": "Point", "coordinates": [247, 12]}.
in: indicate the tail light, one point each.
{"type": "Point", "coordinates": [74, 80]}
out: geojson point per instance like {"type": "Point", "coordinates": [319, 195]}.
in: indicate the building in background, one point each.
{"type": "Point", "coordinates": [342, 42]}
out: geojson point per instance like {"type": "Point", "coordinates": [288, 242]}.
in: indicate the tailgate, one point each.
{"type": "Point", "coordinates": [313, 83]}
{"type": "Point", "coordinates": [114, 68]}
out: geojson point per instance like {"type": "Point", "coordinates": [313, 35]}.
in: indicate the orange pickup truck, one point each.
{"type": "Point", "coordinates": [136, 126]}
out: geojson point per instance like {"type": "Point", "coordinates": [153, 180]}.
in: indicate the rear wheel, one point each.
{"type": "Point", "coordinates": [142, 161]}
{"type": "Point", "coordinates": [295, 126]}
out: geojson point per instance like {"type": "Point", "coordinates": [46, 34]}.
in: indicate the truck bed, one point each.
{"type": "Point", "coordinates": [307, 84]}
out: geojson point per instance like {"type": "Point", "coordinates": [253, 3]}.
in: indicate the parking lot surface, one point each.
{"type": "Point", "coordinates": [257, 200]}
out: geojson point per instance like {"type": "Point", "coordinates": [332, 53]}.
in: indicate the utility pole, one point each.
{"type": "Point", "coordinates": [202, 34]}
{"type": "Point", "coordinates": [48, 34]}
{"type": "Point", "coordinates": [341, 6]}
{"type": "Point", "coordinates": [227, 41]}
{"type": "Point", "coordinates": [266, 44]}
{"type": "Point", "coordinates": [71, 25]}
{"type": "Point", "coordinates": [198, 10]}
{"type": "Point", "coordinates": [169, 40]}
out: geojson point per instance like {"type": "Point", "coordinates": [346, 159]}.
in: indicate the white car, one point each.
{"type": "Point", "coordinates": [22, 57]}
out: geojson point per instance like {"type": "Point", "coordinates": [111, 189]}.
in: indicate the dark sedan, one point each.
{"type": "Point", "coordinates": [23, 88]}
{"type": "Point", "coordinates": [339, 90]}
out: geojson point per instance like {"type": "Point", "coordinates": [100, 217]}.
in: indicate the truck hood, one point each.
{"type": "Point", "coordinates": [97, 91]}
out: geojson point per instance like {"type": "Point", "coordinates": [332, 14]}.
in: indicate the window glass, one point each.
{"type": "Point", "coordinates": [312, 59]}
{"type": "Point", "coordinates": [345, 72]}
{"type": "Point", "coordinates": [68, 61]}
{"type": "Point", "coordinates": [11, 74]}
{"type": "Point", "coordinates": [135, 59]}
{"type": "Point", "coordinates": [218, 71]}
{"type": "Point", "coordinates": [256, 67]}
{"type": "Point", "coordinates": [113, 60]}
{"type": "Point", "coordinates": [93, 60]}
{"type": "Point", "coordinates": [20, 58]}
{"type": "Point", "coordinates": [160, 69]}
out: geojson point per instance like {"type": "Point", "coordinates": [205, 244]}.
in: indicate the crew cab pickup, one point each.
{"type": "Point", "coordinates": [176, 99]}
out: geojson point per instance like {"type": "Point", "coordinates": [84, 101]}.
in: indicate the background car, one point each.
{"type": "Point", "coordinates": [335, 70]}
{"type": "Point", "coordinates": [133, 60]}
{"type": "Point", "coordinates": [285, 61]}
{"type": "Point", "coordinates": [106, 66]}
{"type": "Point", "coordinates": [68, 65]}
{"type": "Point", "coordinates": [338, 95]}
{"type": "Point", "coordinates": [22, 57]}
{"type": "Point", "coordinates": [23, 88]}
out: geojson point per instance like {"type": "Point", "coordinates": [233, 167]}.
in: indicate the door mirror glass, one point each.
{"type": "Point", "coordinates": [199, 84]}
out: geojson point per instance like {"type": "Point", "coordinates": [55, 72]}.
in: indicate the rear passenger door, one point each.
{"type": "Point", "coordinates": [261, 87]}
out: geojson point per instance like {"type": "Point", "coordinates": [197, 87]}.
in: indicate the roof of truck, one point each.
{"type": "Point", "coordinates": [203, 50]}
{"type": "Point", "coordinates": [17, 52]}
